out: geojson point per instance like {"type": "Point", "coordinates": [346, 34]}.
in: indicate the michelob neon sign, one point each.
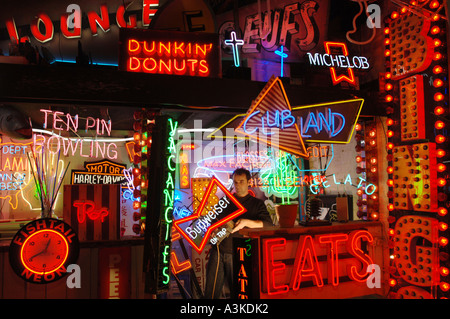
{"type": "Point", "coordinates": [340, 60]}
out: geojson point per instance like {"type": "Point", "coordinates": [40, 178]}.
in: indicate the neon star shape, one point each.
{"type": "Point", "coordinates": [240, 210]}
{"type": "Point", "coordinates": [273, 99]}
{"type": "Point", "coordinates": [350, 77]}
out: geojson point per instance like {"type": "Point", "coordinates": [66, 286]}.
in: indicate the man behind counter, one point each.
{"type": "Point", "coordinates": [219, 270]}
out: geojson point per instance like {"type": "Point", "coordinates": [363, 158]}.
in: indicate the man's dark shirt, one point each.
{"type": "Point", "coordinates": [256, 210]}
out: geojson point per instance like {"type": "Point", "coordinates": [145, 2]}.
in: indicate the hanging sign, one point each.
{"type": "Point", "coordinates": [337, 58]}
{"type": "Point", "coordinates": [198, 227]}
{"type": "Point", "coordinates": [270, 120]}
{"type": "Point", "coordinates": [169, 52]}
{"type": "Point", "coordinates": [100, 172]}
{"type": "Point", "coordinates": [297, 26]}
{"type": "Point", "coordinates": [331, 122]}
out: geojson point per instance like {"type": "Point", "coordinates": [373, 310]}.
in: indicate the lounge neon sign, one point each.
{"type": "Point", "coordinates": [43, 30]}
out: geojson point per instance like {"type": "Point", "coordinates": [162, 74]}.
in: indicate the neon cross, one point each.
{"type": "Point", "coordinates": [234, 42]}
{"type": "Point", "coordinates": [282, 56]}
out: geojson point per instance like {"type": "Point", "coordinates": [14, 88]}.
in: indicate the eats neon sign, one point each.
{"type": "Point", "coordinates": [307, 265]}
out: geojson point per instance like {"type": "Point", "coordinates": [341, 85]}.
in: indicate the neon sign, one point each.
{"type": "Point", "coordinates": [71, 146]}
{"type": "Point", "coordinates": [307, 264]}
{"type": "Point", "coordinates": [169, 193]}
{"type": "Point", "coordinates": [199, 234]}
{"type": "Point", "coordinates": [73, 31]}
{"type": "Point", "coordinates": [101, 172]}
{"type": "Point", "coordinates": [291, 140]}
{"type": "Point", "coordinates": [185, 181]}
{"type": "Point", "coordinates": [87, 208]}
{"type": "Point", "coordinates": [282, 57]}
{"type": "Point", "coordinates": [234, 42]}
{"type": "Point", "coordinates": [164, 52]}
{"type": "Point", "coordinates": [159, 215]}
{"type": "Point", "coordinates": [292, 25]}
{"type": "Point", "coordinates": [323, 182]}
{"type": "Point", "coordinates": [331, 122]}
{"type": "Point", "coordinates": [228, 163]}
{"type": "Point", "coordinates": [343, 61]}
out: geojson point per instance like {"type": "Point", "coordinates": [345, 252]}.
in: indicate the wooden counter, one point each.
{"type": "Point", "coordinates": [334, 227]}
{"type": "Point", "coordinates": [314, 262]}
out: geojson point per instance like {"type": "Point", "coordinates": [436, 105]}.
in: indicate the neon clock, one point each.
{"type": "Point", "coordinates": [42, 249]}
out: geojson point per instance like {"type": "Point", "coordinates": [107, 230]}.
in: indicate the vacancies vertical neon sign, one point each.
{"type": "Point", "coordinates": [158, 236]}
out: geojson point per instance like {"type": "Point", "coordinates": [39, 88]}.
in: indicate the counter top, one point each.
{"type": "Point", "coordinates": [298, 229]}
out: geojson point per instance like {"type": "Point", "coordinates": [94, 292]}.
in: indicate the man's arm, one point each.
{"type": "Point", "coordinates": [241, 223]}
{"type": "Point", "coordinates": [262, 219]}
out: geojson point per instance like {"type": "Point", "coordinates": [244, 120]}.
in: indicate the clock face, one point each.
{"type": "Point", "coordinates": [42, 249]}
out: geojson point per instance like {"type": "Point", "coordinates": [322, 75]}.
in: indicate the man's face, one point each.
{"type": "Point", "coordinates": [241, 185]}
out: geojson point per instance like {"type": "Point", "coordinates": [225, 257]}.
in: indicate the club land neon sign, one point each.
{"type": "Point", "coordinates": [306, 265]}
{"type": "Point", "coordinates": [331, 122]}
